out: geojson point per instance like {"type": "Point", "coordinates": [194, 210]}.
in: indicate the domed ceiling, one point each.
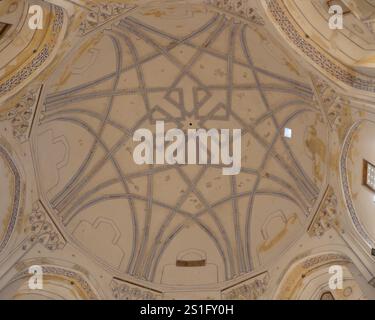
{"type": "Point", "coordinates": [122, 230]}
{"type": "Point", "coordinates": [189, 66]}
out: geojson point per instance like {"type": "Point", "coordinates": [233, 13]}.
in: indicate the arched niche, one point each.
{"type": "Point", "coordinates": [357, 151]}
{"type": "Point", "coordinates": [58, 283]}
{"type": "Point", "coordinates": [309, 278]}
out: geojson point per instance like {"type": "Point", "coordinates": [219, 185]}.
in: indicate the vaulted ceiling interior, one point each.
{"type": "Point", "coordinates": [73, 201]}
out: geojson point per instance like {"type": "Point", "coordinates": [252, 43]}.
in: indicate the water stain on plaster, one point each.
{"type": "Point", "coordinates": [270, 243]}
{"type": "Point", "coordinates": [318, 150]}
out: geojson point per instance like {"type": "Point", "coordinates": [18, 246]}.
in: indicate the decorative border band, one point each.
{"type": "Point", "coordinates": [334, 69]}
{"type": "Point", "coordinates": [59, 271]}
{"type": "Point", "coordinates": [16, 200]}
{"type": "Point", "coordinates": [39, 59]}
{"type": "Point", "coordinates": [345, 184]}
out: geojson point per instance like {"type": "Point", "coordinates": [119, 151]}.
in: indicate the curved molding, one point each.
{"type": "Point", "coordinates": [14, 82]}
{"type": "Point", "coordinates": [328, 66]}
{"type": "Point", "coordinates": [16, 198]}
{"type": "Point", "coordinates": [346, 188]}
{"type": "Point", "coordinates": [85, 289]}
{"type": "Point", "coordinates": [295, 274]}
